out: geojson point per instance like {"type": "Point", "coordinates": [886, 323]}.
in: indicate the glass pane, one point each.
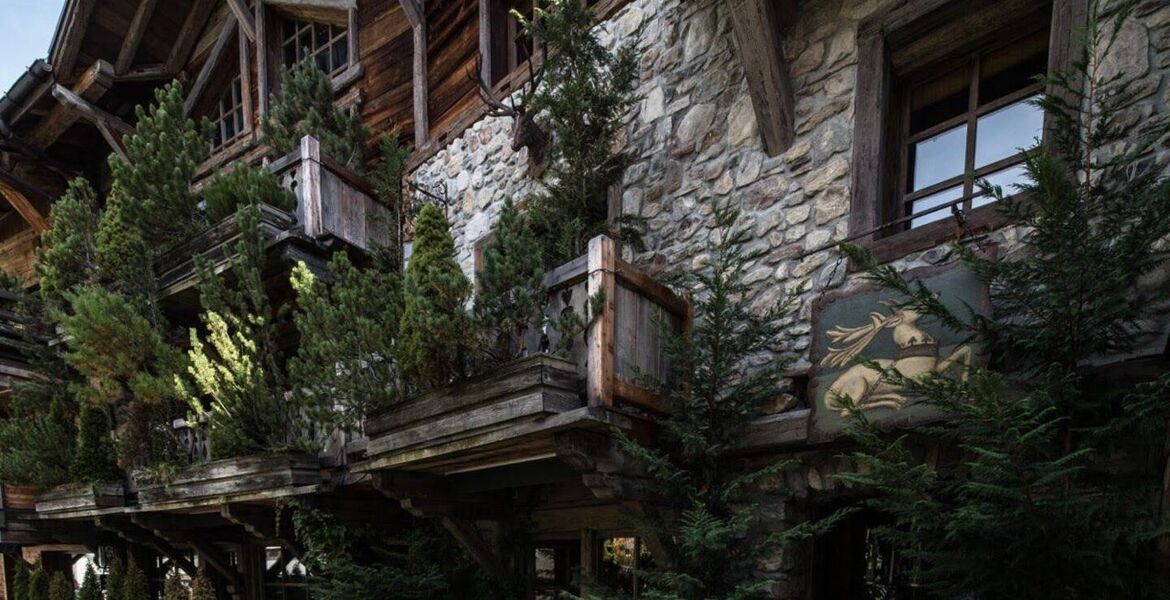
{"type": "Point", "coordinates": [1013, 67]}
{"type": "Point", "coordinates": [939, 99]}
{"type": "Point", "coordinates": [306, 41]}
{"type": "Point", "coordinates": [938, 158]}
{"type": "Point", "coordinates": [340, 53]}
{"type": "Point", "coordinates": [290, 53]}
{"type": "Point", "coordinates": [229, 128]}
{"type": "Point", "coordinates": [239, 120]}
{"type": "Point", "coordinates": [1005, 132]}
{"type": "Point", "coordinates": [926, 203]}
{"type": "Point", "coordinates": [322, 34]}
{"type": "Point", "coordinates": [1005, 179]}
{"type": "Point", "coordinates": [323, 62]}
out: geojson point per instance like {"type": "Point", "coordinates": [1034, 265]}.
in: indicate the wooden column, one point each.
{"type": "Point", "coordinates": [262, 59]}
{"type": "Point", "coordinates": [416, 13]}
{"type": "Point", "coordinates": [758, 25]}
{"type": "Point", "coordinates": [602, 261]}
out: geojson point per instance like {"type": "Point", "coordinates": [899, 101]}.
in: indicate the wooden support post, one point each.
{"type": "Point", "coordinates": [416, 14]}
{"type": "Point", "coordinates": [310, 206]}
{"type": "Point", "coordinates": [758, 25]}
{"type": "Point", "coordinates": [217, 561]}
{"type": "Point", "coordinates": [135, 534]}
{"type": "Point", "coordinates": [485, 41]}
{"type": "Point", "coordinates": [244, 18]}
{"type": "Point", "coordinates": [600, 334]}
{"type": "Point", "coordinates": [246, 82]}
{"type": "Point", "coordinates": [91, 86]}
{"type": "Point", "coordinates": [225, 36]}
{"type": "Point", "coordinates": [134, 35]}
{"type": "Point", "coordinates": [262, 59]}
{"type": "Point", "coordinates": [588, 560]}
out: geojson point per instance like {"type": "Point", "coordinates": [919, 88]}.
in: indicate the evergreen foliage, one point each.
{"type": "Point", "coordinates": [20, 580]}
{"type": "Point", "coordinates": [134, 584]}
{"type": "Point", "coordinates": [713, 543]}
{"type": "Point", "coordinates": [201, 588]}
{"type": "Point", "coordinates": [60, 587]}
{"type": "Point", "coordinates": [174, 588]}
{"type": "Point", "coordinates": [305, 107]}
{"type": "Point", "coordinates": [123, 253]}
{"type": "Point", "coordinates": [115, 578]}
{"type": "Point", "coordinates": [38, 584]}
{"type": "Point", "coordinates": [68, 250]}
{"type": "Point", "coordinates": [1034, 504]}
{"type": "Point", "coordinates": [436, 333]}
{"type": "Point", "coordinates": [91, 588]}
{"type": "Point", "coordinates": [93, 458]}
{"type": "Point", "coordinates": [585, 93]}
{"type": "Point", "coordinates": [164, 152]}
{"type": "Point", "coordinates": [35, 449]}
{"type": "Point", "coordinates": [242, 186]}
{"type": "Point", "coordinates": [386, 177]}
{"type": "Point", "coordinates": [236, 363]}
{"type": "Point", "coordinates": [345, 367]}
{"type": "Point", "coordinates": [511, 291]}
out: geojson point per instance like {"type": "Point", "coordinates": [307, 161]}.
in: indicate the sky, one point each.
{"type": "Point", "coordinates": [26, 30]}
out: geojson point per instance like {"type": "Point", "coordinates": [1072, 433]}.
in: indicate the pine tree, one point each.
{"type": "Point", "coordinates": [435, 340]}
{"type": "Point", "coordinates": [511, 291]}
{"type": "Point", "coordinates": [237, 363]}
{"type": "Point", "coordinates": [583, 98]}
{"type": "Point", "coordinates": [123, 255]}
{"type": "Point", "coordinates": [242, 186]}
{"type": "Point", "coordinates": [201, 588]}
{"type": "Point", "coordinates": [36, 449]}
{"type": "Point", "coordinates": [345, 365]}
{"type": "Point", "coordinates": [60, 587]}
{"type": "Point", "coordinates": [174, 588]}
{"type": "Point", "coordinates": [305, 107]}
{"type": "Point", "coordinates": [38, 584]}
{"type": "Point", "coordinates": [93, 457]}
{"type": "Point", "coordinates": [20, 580]}
{"type": "Point", "coordinates": [1037, 503]}
{"type": "Point", "coordinates": [91, 589]}
{"type": "Point", "coordinates": [115, 578]}
{"type": "Point", "coordinates": [164, 152]}
{"type": "Point", "coordinates": [68, 249]}
{"type": "Point", "coordinates": [134, 584]}
{"type": "Point", "coordinates": [387, 179]}
{"type": "Point", "coordinates": [706, 518]}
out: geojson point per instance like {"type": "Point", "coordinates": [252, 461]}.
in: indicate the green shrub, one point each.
{"type": "Point", "coordinates": [60, 587]}
{"type": "Point", "coordinates": [93, 458]}
{"type": "Point", "coordinates": [511, 291]}
{"type": "Point", "coordinates": [68, 251]}
{"type": "Point", "coordinates": [201, 588]}
{"type": "Point", "coordinates": [20, 582]}
{"type": "Point", "coordinates": [38, 585]}
{"type": "Point", "coordinates": [36, 449]}
{"type": "Point", "coordinates": [243, 186]}
{"type": "Point", "coordinates": [134, 584]}
{"type": "Point", "coordinates": [91, 588]}
{"type": "Point", "coordinates": [305, 106]}
{"type": "Point", "coordinates": [174, 588]}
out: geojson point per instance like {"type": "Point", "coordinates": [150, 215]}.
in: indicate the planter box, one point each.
{"type": "Point", "coordinates": [220, 480]}
{"type": "Point", "coordinates": [76, 497]}
{"type": "Point", "coordinates": [20, 497]}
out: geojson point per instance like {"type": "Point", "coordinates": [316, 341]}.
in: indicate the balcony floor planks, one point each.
{"type": "Point", "coordinates": [222, 480]}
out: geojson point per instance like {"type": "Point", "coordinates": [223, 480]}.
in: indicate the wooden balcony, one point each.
{"type": "Point", "coordinates": [515, 413]}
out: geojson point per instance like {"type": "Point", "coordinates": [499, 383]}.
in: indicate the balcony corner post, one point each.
{"type": "Point", "coordinates": [600, 334]}
{"type": "Point", "coordinates": [310, 210]}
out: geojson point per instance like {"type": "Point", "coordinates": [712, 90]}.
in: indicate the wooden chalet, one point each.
{"type": "Point", "coordinates": [807, 112]}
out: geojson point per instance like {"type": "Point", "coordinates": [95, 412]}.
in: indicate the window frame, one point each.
{"type": "Point", "coordinates": [498, 28]}
{"type": "Point", "coordinates": [234, 93]}
{"type": "Point", "coordinates": [894, 43]}
{"type": "Point", "coordinates": [338, 38]}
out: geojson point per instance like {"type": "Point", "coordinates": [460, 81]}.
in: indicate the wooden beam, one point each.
{"type": "Point", "coordinates": [112, 128]}
{"type": "Point", "coordinates": [135, 534]}
{"type": "Point", "coordinates": [758, 26]}
{"type": "Point", "coordinates": [415, 11]}
{"type": "Point", "coordinates": [472, 541]}
{"type": "Point", "coordinates": [246, 82]}
{"type": "Point", "coordinates": [159, 72]}
{"type": "Point", "coordinates": [225, 36]}
{"type": "Point", "coordinates": [216, 560]}
{"type": "Point", "coordinates": [244, 18]}
{"type": "Point", "coordinates": [72, 33]}
{"type": "Point", "coordinates": [262, 59]}
{"type": "Point", "coordinates": [91, 86]}
{"type": "Point", "coordinates": [134, 35]}
{"type": "Point", "coordinates": [196, 18]}
{"type": "Point", "coordinates": [261, 524]}
{"type": "Point", "coordinates": [24, 206]}
{"type": "Point", "coordinates": [485, 41]}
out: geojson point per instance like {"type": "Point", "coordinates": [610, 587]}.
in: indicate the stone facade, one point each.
{"type": "Point", "coordinates": [695, 141]}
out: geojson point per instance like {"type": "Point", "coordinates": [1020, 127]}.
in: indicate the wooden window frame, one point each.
{"type": "Point", "coordinates": [910, 38]}
{"type": "Point", "coordinates": [498, 34]}
{"type": "Point", "coordinates": [234, 94]}
{"type": "Point", "coordinates": [275, 23]}
{"type": "Point", "coordinates": [291, 30]}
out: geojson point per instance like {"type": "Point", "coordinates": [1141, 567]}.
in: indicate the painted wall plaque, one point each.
{"type": "Point", "coordinates": [867, 323]}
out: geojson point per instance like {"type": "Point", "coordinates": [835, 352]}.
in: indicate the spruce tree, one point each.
{"type": "Point", "coordinates": [20, 580]}
{"type": "Point", "coordinates": [242, 186]}
{"type": "Point", "coordinates": [68, 251]}
{"type": "Point", "coordinates": [585, 93]}
{"type": "Point", "coordinates": [705, 515]}
{"type": "Point", "coordinates": [38, 584]}
{"type": "Point", "coordinates": [91, 588]}
{"type": "Point", "coordinates": [511, 291]}
{"type": "Point", "coordinates": [35, 449]}
{"type": "Point", "coordinates": [60, 587]}
{"type": "Point", "coordinates": [201, 588]}
{"type": "Point", "coordinates": [305, 106]}
{"type": "Point", "coordinates": [164, 152]}
{"type": "Point", "coordinates": [115, 578]}
{"type": "Point", "coordinates": [345, 366]}
{"type": "Point", "coordinates": [93, 457]}
{"type": "Point", "coordinates": [1048, 493]}
{"type": "Point", "coordinates": [436, 331]}
{"type": "Point", "coordinates": [134, 584]}
{"type": "Point", "coordinates": [174, 588]}
{"type": "Point", "coordinates": [236, 362]}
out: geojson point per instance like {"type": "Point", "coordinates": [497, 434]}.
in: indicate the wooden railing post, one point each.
{"type": "Point", "coordinates": [602, 263]}
{"type": "Point", "coordinates": [309, 211]}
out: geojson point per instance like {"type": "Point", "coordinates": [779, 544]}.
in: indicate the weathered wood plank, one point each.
{"type": "Point", "coordinates": [758, 27]}
{"type": "Point", "coordinates": [71, 34]}
{"type": "Point", "coordinates": [185, 42]}
{"type": "Point", "coordinates": [134, 35]}
{"type": "Point", "coordinates": [91, 86]}
{"type": "Point", "coordinates": [600, 340]}
{"type": "Point", "coordinates": [244, 17]}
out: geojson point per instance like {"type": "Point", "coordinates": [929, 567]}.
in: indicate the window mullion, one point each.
{"type": "Point", "coordinates": [972, 124]}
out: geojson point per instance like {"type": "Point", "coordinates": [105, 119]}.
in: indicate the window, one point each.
{"type": "Point", "coordinates": [508, 47]}
{"type": "Point", "coordinates": [555, 568]}
{"type": "Point", "coordinates": [619, 559]}
{"type": "Point", "coordinates": [229, 116]}
{"type": "Point", "coordinates": [969, 124]}
{"type": "Point", "coordinates": [942, 101]}
{"type": "Point", "coordinates": [326, 44]}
